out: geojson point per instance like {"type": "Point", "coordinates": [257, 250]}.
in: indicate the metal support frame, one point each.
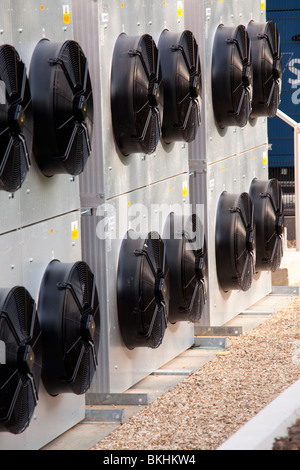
{"type": "Point", "coordinates": [296, 126]}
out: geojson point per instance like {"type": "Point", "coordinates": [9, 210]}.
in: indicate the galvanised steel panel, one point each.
{"type": "Point", "coordinates": [145, 209]}
{"type": "Point", "coordinates": [233, 174]}
{"type": "Point", "coordinates": [114, 180]}
{"type": "Point", "coordinates": [122, 174]}
{"type": "Point", "coordinates": [5, 22]}
{"type": "Point", "coordinates": [25, 254]}
{"type": "Point", "coordinates": [203, 18]}
{"type": "Point", "coordinates": [224, 159]}
{"type": "Point", "coordinates": [32, 20]}
{"type": "Point", "coordinates": [24, 24]}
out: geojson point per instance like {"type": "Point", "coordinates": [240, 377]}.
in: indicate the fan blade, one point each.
{"type": "Point", "coordinates": [183, 71]}
{"type": "Point", "coordinates": [77, 149]}
{"type": "Point", "coordinates": [142, 81]}
{"type": "Point", "coordinates": [64, 96]}
{"type": "Point", "coordinates": [73, 64]}
{"type": "Point", "coordinates": [247, 273]}
{"type": "Point", "coordinates": [148, 55]}
{"type": "Point", "coordinates": [195, 294]}
{"type": "Point", "coordinates": [21, 82]}
{"type": "Point", "coordinates": [6, 142]}
{"type": "Point", "coordinates": [73, 358]}
{"type": "Point", "coordinates": [147, 283]}
{"type": "Point", "coordinates": [8, 71]}
{"type": "Point", "coordinates": [148, 333]}
{"type": "Point", "coordinates": [277, 253]}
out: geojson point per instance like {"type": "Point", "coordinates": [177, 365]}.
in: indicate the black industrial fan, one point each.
{"type": "Point", "coordinates": [231, 76]}
{"type": "Point", "coordinates": [69, 315]}
{"type": "Point", "coordinates": [16, 124]}
{"type": "Point", "coordinates": [20, 375]}
{"type": "Point", "coordinates": [143, 290]}
{"type": "Point", "coordinates": [182, 84]}
{"type": "Point", "coordinates": [267, 71]}
{"type": "Point", "coordinates": [187, 260]}
{"type": "Point", "coordinates": [266, 196]}
{"type": "Point", "coordinates": [136, 94]}
{"type": "Point", "coordinates": [235, 241]}
{"type": "Point", "coordinates": [62, 101]}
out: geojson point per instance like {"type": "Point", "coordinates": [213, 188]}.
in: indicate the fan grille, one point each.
{"type": "Point", "coordinates": [235, 241]}
{"type": "Point", "coordinates": [19, 383]}
{"type": "Point", "coordinates": [153, 314]}
{"type": "Point", "coordinates": [15, 170]}
{"type": "Point", "coordinates": [82, 280]}
{"type": "Point", "coordinates": [15, 121]}
{"type": "Point", "coordinates": [231, 76]}
{"type": "Point", "coordinates": [136, 94]}
{"type": "Point", "coordinates": [181, 73]}
{"type": "Point", "coordinates": [267, 71]}
{"type": "Point", "coordinates": [269, 216]}
{"type": "Point", "coordinates": [8, 65]}
{"type": "Point", "coordinates": [143, 290]}
{"type": "Point", "coordinates": [23, 409]}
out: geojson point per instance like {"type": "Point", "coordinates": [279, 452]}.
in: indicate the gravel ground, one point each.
{"type": "Point", "coordinates": [210, 405]}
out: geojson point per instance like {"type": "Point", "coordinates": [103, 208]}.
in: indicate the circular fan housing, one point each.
{"type": "Point", "coordinates": [62, 107]}
{"type": "Point", "coordinates": [267, 70]}
{"type": "Point", "coordinates": [235, 241]}
{"type": "Point", "coordinates": [143, 290]}
{"type": "Point", "coordinates": [21, 373]}
{"type": "Point", "coordinates": [136, 94]}
{"type": "Point", "coordinates": [266, 196]}
{"type": "Point", "coordinates": [16, 123]}
{"type": "Point", "coordinates": [187, 260]}
{"type": "Point", "coordinates": [69, 315]}
{"type": "Point", "coordinates": [182, 85]}
{"type": "Point", "coordinates": [231, 76]}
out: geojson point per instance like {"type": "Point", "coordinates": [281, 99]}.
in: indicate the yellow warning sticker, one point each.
{"type": "Point", "coordinates": [262, 4]}
{"type": "Point", "coordinates": [74, 229]}
{"type": "Point", "coordinates": [265, 158]}
{"type": "Point", "coordinates": [66, 14]}
{"type": "Point", "coordinates": [179, 9]}
{"type": "Point", "coordinates": [184, 190]}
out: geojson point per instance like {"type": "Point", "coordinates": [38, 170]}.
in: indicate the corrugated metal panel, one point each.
{"type": "Point", "coordinates": [91, 181]}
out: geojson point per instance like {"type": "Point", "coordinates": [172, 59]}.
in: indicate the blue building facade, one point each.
{"type": "Point", "coordinates": [286, 15]}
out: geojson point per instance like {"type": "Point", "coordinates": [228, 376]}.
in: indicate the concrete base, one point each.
{"type": "Point", "coordinates": [289, 272]}
{"type": "Point", "coordinates": [271, 423]}
{"type": "Point", "coordinates": [101, 420]}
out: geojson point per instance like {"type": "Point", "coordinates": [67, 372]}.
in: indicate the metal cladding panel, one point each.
{"type": "Point", "coordinates": [221, 143]}
{"type": "Point", "coordinates": [120, 174]}
{"type": "Point", "coordinates": [144, 210]}
{"type": "Point", "coordinates": [224, 159]}
{"type": "Point", "coordinates": [25, 254]}
{"type": "Point", "coordinates": [233, 175]}
{"type": "Point", "coordinates": [122, 184]}
{"type": "Point", "coordinates": [37, 221]}
{"type": "Point", "coordinates": [40, 197]}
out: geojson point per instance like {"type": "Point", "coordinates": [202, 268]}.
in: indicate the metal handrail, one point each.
{"type": "Point", "coordinates": [296, 126]}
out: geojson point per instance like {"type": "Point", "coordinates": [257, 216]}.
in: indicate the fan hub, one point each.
{"type": "Point", "coordinates": [250, 241]}
{"type": "Point", "coordinates": [277, 70]}
{"type": "Point", "coordinates": [160, 289]}
{"type": "Point", "coordinates": [88, 327]}
{"type": "Point", "coordinates": [279, 224]}
{"type": "Point", "coordinates": [80, 108]}
{"type": "Point", "coordinates": [153, 94]}
{"type": "Point", "coordinates": [26, 358]}
{"type": "Point", "coordinates": [247, 77]}
{"type": "Point", "coordinates": [200, 268]}
{"type": "Point", "coordinates": [195, 86]}
{"type": "Point", "coordinates": [16, 118]}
